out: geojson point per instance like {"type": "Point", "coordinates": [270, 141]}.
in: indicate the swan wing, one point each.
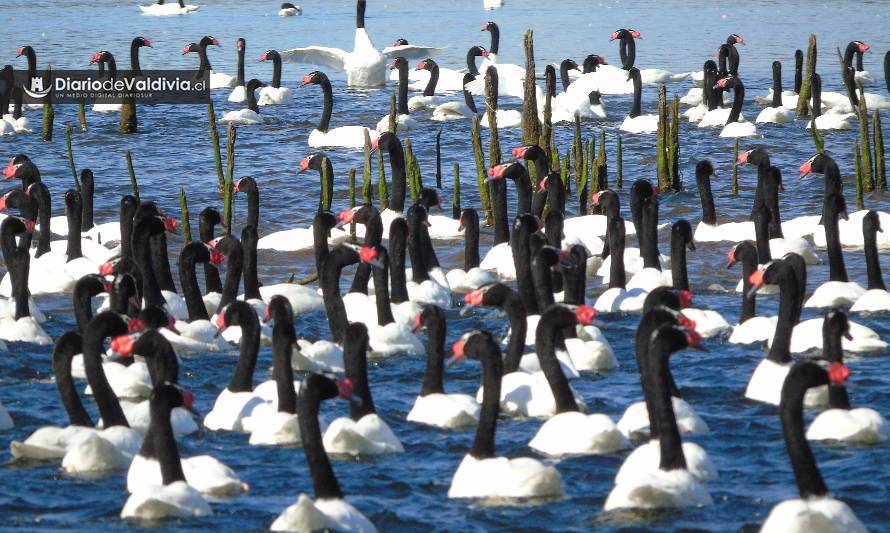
{"type": "Point", "coordinates": [317, 55]}
{"type": "Point", "coordinates": [410, 51]}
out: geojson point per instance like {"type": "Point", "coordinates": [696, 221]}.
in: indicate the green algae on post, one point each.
{"type": "Point", "coordinates": [214, 141]}
{"type": "Point", "coordinates": [880, 166]}
{"type": "Point", "coordinates": [350, 180]}
{"type": "Point", "coordinates": [393, 123]}
{"type": "Point", "coordinates": [455, 194]}
{"type": "Point", "coordinates": [674, 146]}
{"type": "Point", "coordinates": [531, 128]}
{"type": "Point", "coordinates": [803, 97]}
{"type": "Point", "coordinates": [134, 185]}
{"type": "Point", "coordinates": [82, 115]}
{"type": "Point", "coordinates": [71, 158]}
{"type": "Point", "coordinates": [662, 140]}
{"type": "Point", "coordinates": [382, 188]}
{"type": "Point", "coordinates": [481, 170]}
{"type": "Point", "coordinates": [129, 123]}
{"type": "Point", "coordinates": [491, 108]}
{"type": "Point", "coordinates": [734, 184]}
{"type": "Point", "coordinates": [229, 186]}
{"type": "Point", "coordinates": [868, 181]}
{"type": "Point", "coordinates": [367, 190]}
{"type": "Point", "coordinates": [857, 165]}
{"type": "Point", "coordinates": [49, 114]}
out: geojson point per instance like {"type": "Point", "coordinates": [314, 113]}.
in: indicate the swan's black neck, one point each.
{"type": "Point", "coordinates": [872, 260]}
{"type": "Point", "coordinates": [708, 211]}
{"type": "Point", "coordinates": [328, 94]}
{"type": "Point", "coordinates": [249, 240]}
{"type": "Point", "coordinates": [283, 338]}
{"type": "Point", "coordinates": [397, 165]}
{"type": "Point", "coordinates": [127, 211]}
{"type": "Point", "coordinates": [84, 290]}
{"type": "Point", "coordinates": [575, 279]}
{"type": "Point", "coordinates": [777, 84]}
{"type": "Point", "coordinates": [628, 51]}
{"type": "Point", "coordinates": [253, 202]}
{"type": "Point", "coordinates": [738, 99]}
{"type": "Point", "coordinates": [803, 462]}
{"type": "Point", "coordinates": [617, 275]}
{"type": "Point", "coordinates": [836, 267]}
{"type": "Point", "coordinates": [239, 81]}
{"type": "Point", "coordinates": [470, 221]}
{"type": "Point", "coordinates": [87, 191]}
{"type": "Point", "coordinates": [234, 266]}
{"type": "Point", "coordinates": [242, 379]}
{"type": "Point", "coordinates": [402, 100]}
{"type": "Point", "coordinates": [650, 234]}
{"type": "Point", "coordinates": [381, 289]}
{"type": "Point", "coordinates": [761, 234]}
{"type": "Point", "coordinates": [44, 212]}
{"type": "Point", "coordinates": [498, 193]}
{"type": "Point", "coordinates": [468, 100]}
{"type": "Point", "coordinates": [551, 325]}
{"type": "Point", "coordinates": [471, 62]}
{"type": "Point", "coordinates": [330, 286]}
{"type": "Point", "coordinates": [369, 216]}
{"type": "Point", "coordinates": [522, 260]}
{"type": "Point", "coordinates": [553, 226]}
{"type": "Point", "coordinates": [276, 70]}
{"type": "Point", "coordinates": [542, 263]}
{"type": "Point", "coordinates": [69, 344]}
{"type": "Point", "coordinates": [398, 240]}
{"type": "Point", "coordinates": [789, 298]}
{"type": "Point", "coordinates": [360, 14]}
{"type": "Point", "coordinates": [679, 273]}
{"type": "Point", "coordinates": [748, 257]}
{"type": "Point", "coordinates": [134, 58]}
{"type": "Point", "coordinates": [73, 212]}
{"type": "Point", "coordinates": [433, 378]}
{"type": "Point", "coordinates": [661, 346]}
{"type": "Point", "coordinates": [104, 325]}
{"type": "Point", "coordinates": [772, 184]}
{"type": "Point", "coordinates": [324, 483]}
{"type": "Point", "coordinates": [322, 224]}
{"type": "Point", "coordinates": [430, 88]}
{"type": "Point", "coordinates": [160, 442]}
{"type": "Point", "coordinates": [143, 231]}
{"type": "Point", "coordinates": [798, 70]}
{"type": "Point", "coordinates": [564, 74]}
{"type": "Point", "coordinates": [188, 279]}
{"type": "Point", "coordinates": [355, 363]}
{"type": "Point", "coordinates": [638, 93]}
{"type": "Point", "coordinates": [161, 262]}
{"type": "Point", "coordinates": [492, 369]}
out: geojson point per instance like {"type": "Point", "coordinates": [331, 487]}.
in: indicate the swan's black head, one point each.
{"type": "Point", "coordinates": [624, 33]}
{"type": "Point", "coordinates": [592, 61]}
{"type": "Point", "coordinates": [207, 40]}
{"type": "Point", "coordinates": [398, 63]}
{"type": "Point", "coordinates": [24, 51]}
{"type": "Point", "coordinates": [240, 44]}
{"type": "Point", "coordinates": [316, 77]}
{"type": "Point", "coordinates": [704, 168]}
{"type": "Point", "coordinates": [400, 42]}
{"type": "Point", "coordinates": [100, 57]}
{"type": "Point", "coordinates": [142, 41]}
{"type": "Point", "coordinates": [569, 64]}
{"type": "Point", "coordinates": [735, 38]}
{"type": "Point", "coordinates": [683, 230]}
{"type": "Point", "coordinates": [191, 47]}
{"type": "Point", "coordinates": [288, 5]}
{"type": "Point", "coordinates": [254, 84]}
{"type": "Point", "coordinates": [488, 26]}
{"type": "Point", "coordinates": [468, 78]}
{"type": "Point", "coordinates": [477, 51]}
{"type": "Point", "coordinates": [245, 184]}
{"type": "Point", "coordinates": [269, 55]}
{"type": "Point", "coordinates": [872, 222]}
{"type": "Point", "coordinates": [279, 309]}
{"type": "Point", "coordinates": [426, 64]}
{"type": "Point", "coordinates": [815, 165]}
{"type": "Point", "coordinates": [312, 161]}
{"type": "Point", "coordinates": [429, 198]}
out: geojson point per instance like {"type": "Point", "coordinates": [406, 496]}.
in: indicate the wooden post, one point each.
{"type": "Point", "coordinates": [214, 141]}
{"type": "Point", "coordinates": [481, 170]}
{"type": "Point", "coordinates": [393, 124]}
{"type": "Point", "coordinates": [734, 184]}
{"type": "Point", "coordinates": [129, 123]}
{"type": "Point", "coordinates": [367, 190]}
{"type": "Point", "coordinates": [382, 189]}
{"type": "Point", "coordinates": [857, 164]}
{"type": "Point", "coordinates": [880, 167]}
{"type": "Point", "coordinates": [134, 185]}
{"type": "Point", "coordinates": [228, 190]}
{"type": "Point", "coordinates": [350, 180]}
{"type": "Point", "coordinates": [619, 164]}
{"type": "Point", "coordinates": [662, 137]}
{"type": "Point", "coordinates": [868, 181]}
{"type": "Point", "coordinates": [674, 153]}
{"type": "Point", "coordinates": [491, 108]}
{"type": "Point", "coordinates": [455, 194]}
{"type": "Point", "coordinates": [531, 128]}
{"type": "Point", "coordinates": [71, 158]}
{"type": "Point", "coordinates": [82, 116]}
{"type": "Point", "coordinates": [439, 159]}
{"type": "Point", "coordinates": [803, 108]}
{"type": "Point", "coordinates": [49, 114]}
{"type": "Point", "coordinates": [546, 141]}
{"type": "Point", "coordinates": [577, 153]}
{"type": "Point", "coordinates": [184, 216]}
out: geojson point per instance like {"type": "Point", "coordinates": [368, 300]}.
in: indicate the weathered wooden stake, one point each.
{"type": "Point", "coordinates": [803, 98]}
{"type": "Point", "coordinates": [184, 216]}
{"type": "Point", "coordinates": [455, 193]}
{"type": "Point", "coordinates": [134, 185]}
{"type": "Point", "coordinates": [531, 128]}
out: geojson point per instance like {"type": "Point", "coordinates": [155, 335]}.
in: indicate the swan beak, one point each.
{"type": "Point", "coordinates": [751, 292]}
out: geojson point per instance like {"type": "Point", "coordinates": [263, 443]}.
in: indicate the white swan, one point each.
{"type": "Point", "coordinates": [161, 9]}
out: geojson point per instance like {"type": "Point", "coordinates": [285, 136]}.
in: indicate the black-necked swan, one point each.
{"type": "Point", "coordinates": [505, 118]}
{"type": "Point", "coordinates": [363, 432]}
{"type": "Point", "coordinates": [249, 115]}
{"type": "Point", "coordinates": [197, 333]}
{"type": "Point", "coordinates": [204, 473]}
{"type": "Point", "coordinates": [438, 79]}
{"type": "Point", "coordinates": [814, 506]}
{"type": "Point", "coordinates": [509, 302]}
{"type": "Point", "coordinates": [728, 56]}
{"type": "Point", "coordinates": [634, 122]}
{"type": "Point", "coordinates": [709, 230]}
{"type": "Point", "coordinates": [826, 121]}
{"type": "Point", "coordinates": [161, 9]}
{"type": "Point", "coordinates": [239, 94]}
{"type": "Point", "coordinates": [457, 110]}
{"type": "Point", "coordinates": [857, 49]}
{"type": "Point", "coordinates": [750, 328]}
{"type": "Point", "coordinates": [735, 125]}
{"type": "Point", "coordinates": [435, 407]}
{"type": "Point", "coordinates": [876, 298]}
{"type": "Point", "coordinates": [237, 400]}
{"type": "Point", "coordinates": [617, 297]}
{"type": "Point", "coordinates": [470, 277]}
{"type": "Point", "coordinates": [840, 422]}
{"type": "Point", "coordinates": [104, 56]}
{"type": "Point", "coordinates": [664, 305]}
{"type": "Point", "coordinates": [627, 51]}
{"type": "Point", "coordinates": [217, 80]}
{"type": "Point", "coordinates": [481, 474]}
{"type": "Point", "coordinates": [275, 422]}
{"type": "Point", "coordinates": [274, 93]}
{"type": "Point", "coordinates": [329, 510]}
{"type": "Point", "coordinates": [365, 66]}
{"type": "Point", "coordinates": [510, 75]}
{"type": "Point", "coordinates": [169, 495]}
{"type": "Point", "coordinates": [777, 112]}
{"type": "Point", "coordinates": [344, 136]}
{"type": "Point", "coordinates": [569, 431]}
{"type": "Point", "coordinates": [671, 484]}
{"type": "Point", "coordinates": [21, 326]}
{"type": "Point", "coordinates": [51, 442]}
{"type": "Point", "coordinates": [114, 446]}
{"type": "Point", "coordinates": [428, 284]}
{"type": "Point", "coordinates": [288, 9]}
{"type": "Point", "coordinates": [403, 119]}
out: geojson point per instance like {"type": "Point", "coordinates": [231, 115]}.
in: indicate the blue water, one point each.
{"type": "Point", "coordinates": [408, 491]}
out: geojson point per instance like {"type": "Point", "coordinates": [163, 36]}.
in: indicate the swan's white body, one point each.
{"type": "Point", "coordinates": [25, 329]}
{"type": "Point", "coordinates": [463, 282]}
{"type": "Point", "coordinates": [319, 356]}
{"type": "Point", "coordinates": [229, 410]}
{"type": "Point", "coordinates": [645, 458]}
{"type": "Point", "coordinates": [165, 10]}
{"type": "Point", "coordinates": [769, 377]}
{"type": "Point", "coordinates": [445, 410]}
{"type": "Point", "coordinates": [244, 117]}
{"type": "Point", "coordinates": [139, 417]}
{"type": "Point", "coordinates": [369, 436]}
{"type": "Point", "coordinates": [204, 473]}
{"type": "Point", "coordinates": [850, 230]}
{"type": "Point", "coordinates": [590, 350]}
{"type": "Point", "coordinates": [831, 121]}
{"type": "Point", "coordinates": [500, 477]}
{"type": "Point", "coordinates": [177, 499]}
{"type": "Point", "coordinates": [322, 515]}
{"type": "Point", "coordinates": [574, 433]}
{"type": "Point", "coordinates": [506, 118]}
{"type": "Point", "coordinates": [835, 294]}
{"type": "Point", "coordinates": [499, 259]}
{"type": "Point", "coordinates": [738, 129]}
{"type": "Point", "coordinates": [297, 239]}
{"type": "Point", "coordinates": [617, 300]}
{"type": "Point", "coordinates": [238, 95]}
{"type": "Point", "coordinates": [634, 423]}
{"type": "Point", "coordinates": [755, 329]}
{"type": "Point", "coordinates": [775, 115]}
{"type": "Point", "coordinates": [102, 450]}
{"type": "Point", "coordinates": [640, 124]}
{"type": "Point", "coordinates": [48, 442]}
{"type": "Point", "coordinates": [290, 11]}
{"type": "Point", "coordinates": [807, 336]}
{"type": "Point", "coordinates": [404, 122]}
{"type": "Point", "coordinates": [872, 301]}
{"type": "Point", "coordinates": [342, 137]}
{"type": "Point", "coordinates": [527, 395]}
{"type": "Point", "coordinates": [452, 111]}
{"type": "Point", "coordinates": [813, 514]}
{"type": "Point", "coordinates": [365, 66]}
{"type": "Point", "coordinates": [274, 96]}
{"type": "Point", "coordinates": [658, 489]}
{"type": "Point", "coordinates": [861, 425]}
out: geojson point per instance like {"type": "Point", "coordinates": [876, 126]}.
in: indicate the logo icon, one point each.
{"type": "Point", "coordinates": [37, 91]}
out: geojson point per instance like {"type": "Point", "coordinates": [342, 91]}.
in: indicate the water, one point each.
{"type": "Point", "coordinates": [408, 491]}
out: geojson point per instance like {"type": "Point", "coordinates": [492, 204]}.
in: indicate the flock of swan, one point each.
{"type": "Point", "coordinates": [136, 327]}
